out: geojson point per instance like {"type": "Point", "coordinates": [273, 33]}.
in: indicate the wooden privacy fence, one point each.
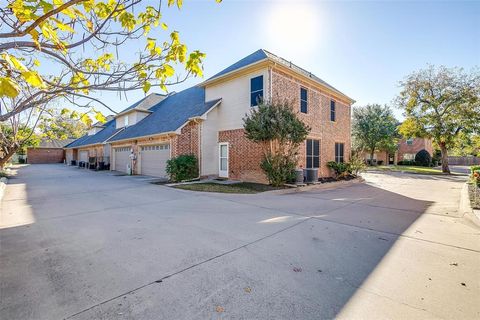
{"type": "Point", "coordinates": [463, 161]}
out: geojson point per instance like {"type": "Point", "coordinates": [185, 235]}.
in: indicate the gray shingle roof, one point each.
{"type": "Point", "coordinates": [248, 60]}
{"type": "Point", "coordinates": [99, 137]}
{"type": "Point", "coordinates": [262, 54]}
{"type": "Point", "coordinates": [169, 114]}
{"type": "Point", "coordinates": [55, 143]}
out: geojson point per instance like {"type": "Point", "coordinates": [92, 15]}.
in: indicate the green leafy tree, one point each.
{"type": "Point", "coordinates": [16, 135]}
{"type": "Point", "coordinates": [60, 125]}
{"type": "Point", "coordinates": [440, 103]}
{"type": "Point", "coordinates": [82, 40]}
{"type": "Point", "coordinates": [374, 128]}
{"type": "Point", "coordinates": [279, 131]}
{"type": "Point", "coordinates": [466, 144]}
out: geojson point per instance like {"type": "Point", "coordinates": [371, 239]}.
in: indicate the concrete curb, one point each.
{"type": "Point", "coordinates": [465, 207]}
{"type": "Point", "coordinates": [3, 185]}
{"type": "Point", "coordinates": [315, 187]}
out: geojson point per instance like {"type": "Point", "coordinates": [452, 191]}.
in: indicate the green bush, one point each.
{"type": "Point", "coordinates": [341, 169]}
{"type": "Point", "coordinates": [278, 169]}
{"type": "Point", "coordinates": [423, 158]}
{"type": "Point", "coordinates": [474, 168]}
{"type": "Point", "coordinates": [183, 167]}
{"type": "Point", "coordinates": [406, 163]}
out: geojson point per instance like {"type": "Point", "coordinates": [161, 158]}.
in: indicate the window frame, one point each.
{"type": "Point", "coordinates": [254, 103]}
{"type": "Point", "coordinates": [339, 152]}
{"type": "Point", "coordinates": [333, 111]}
{"type": "Point", "coordinates": [314, 158]}
{"type": "Point", "coordinates": [303, 89]}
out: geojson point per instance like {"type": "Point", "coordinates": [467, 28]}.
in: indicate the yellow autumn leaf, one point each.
{"type": "Point", "coordinates": [86, 119]}
{"type": "Point", "coordinates": [8, 88]}
{"type": "Point", "coordinates": [13, 62]}
{"type": "Point", "coordinates": [146, 86]}
{"type": "Point", "coordinates": [100, 117]}
{"type": "Point", "coordinates": [33, 78]}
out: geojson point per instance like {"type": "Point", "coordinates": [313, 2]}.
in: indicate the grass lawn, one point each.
{"type": "Point", "coordinates": [411, 169]}
{"type": "Point", "coordinates": [242, 187]}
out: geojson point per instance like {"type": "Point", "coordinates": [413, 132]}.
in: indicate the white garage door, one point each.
{"type": "Point", "coordinates": [122, 158]}
{"type": "Point", "coordinates": [154, 160]}
{"type": "Point", "coordinates": [83, 156]}
{"type": "Point", "coordinates": [69, 156]}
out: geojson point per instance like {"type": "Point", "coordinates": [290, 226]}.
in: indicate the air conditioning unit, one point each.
{"type": "Point", "coordinates": [311, 175]}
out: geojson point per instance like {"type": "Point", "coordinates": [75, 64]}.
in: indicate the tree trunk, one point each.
{"type": "Point", "coordinates": [4, 159]}
{"type": "Point", "coordinates": [372, 152]}
{"type": "Point", "coordinates": [443, 149]}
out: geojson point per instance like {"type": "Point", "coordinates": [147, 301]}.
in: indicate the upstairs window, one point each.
{"type": "Point", "coordinates": [125, 120]}
{"type": "Point", "coordinates": [256, 90]}
{"type": "Point", "coordinates": [313, 153]}
{"type": "Point", "coordinates": [332, 110]}
{"type": "Point", "coordinates": [339, 152]}
{"type": "Point", "coordinates": [410, 141]}
{"type": "Point", "coordinates": [303, 100]}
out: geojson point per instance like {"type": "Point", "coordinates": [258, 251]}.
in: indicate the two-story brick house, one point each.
{"type": "Point", "coordinates": [207, 120]}
{"type": "Point", "coordinates": [406, 151]}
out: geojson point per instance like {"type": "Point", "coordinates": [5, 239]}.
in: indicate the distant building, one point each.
{"type": "Point", "coordinates": [48, 151]}
{"type": "Point", "coordinates": [406, 151]}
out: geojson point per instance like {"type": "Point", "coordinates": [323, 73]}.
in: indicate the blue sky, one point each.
{"type": "Point", "coordinates": [362, 48]}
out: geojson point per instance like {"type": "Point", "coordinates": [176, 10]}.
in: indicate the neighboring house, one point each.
{"type": "Point", "coordinates": [207, 121]}
{"type": "Point", "coordinates": [406, 151]}
{"type": "Point", "coordinates": [48, 151]}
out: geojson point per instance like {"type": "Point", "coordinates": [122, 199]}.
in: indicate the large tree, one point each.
{"type": "Point", "coordinates": [440, 103]}
{"type": "Point", "coordinates": [374, 128]}
{"type": "Point", "coordinates": [60, 49]}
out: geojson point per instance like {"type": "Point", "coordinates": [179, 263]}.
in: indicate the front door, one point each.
{"type": "Point", "coordinates": [391, 159]}
{"type": "Point", "coordinates": [223, 160]}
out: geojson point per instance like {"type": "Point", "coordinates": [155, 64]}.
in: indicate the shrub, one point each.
{"type": "Point", "coordinates": [357, 164]}
{"type": "Point", "coordinates": [278, 169]}
{"type": "Point", "coordinates": [183, 167]}
{"type": "Point", "coordinates": [406, 163]}
{"type": "Point", "coordinates": [341, 169]}
{"type": "Point", "coordinates": [423, 158]}
{"type": "Point", "coordinates": [475, 175]}
{"type": "Point", "coordinates": [474, 168]}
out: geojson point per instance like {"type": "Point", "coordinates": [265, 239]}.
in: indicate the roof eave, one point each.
{"type": "Point", "coordinates": [132, 110]}
{"type": "Point", "coordinates": [146, 136]}
{"type": "Point", "coordinates": [226, 75]}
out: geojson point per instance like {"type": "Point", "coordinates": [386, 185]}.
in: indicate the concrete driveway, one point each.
{"type": "Point", "coordinates": [76, 244]}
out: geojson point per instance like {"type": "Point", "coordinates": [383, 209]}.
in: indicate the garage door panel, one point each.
{"type": "Point", "coordinates": [154, 160]}
{"type": "Point", "coordinates": [122, 159]}
{"type": "Point", "coordinates": [83, 156]}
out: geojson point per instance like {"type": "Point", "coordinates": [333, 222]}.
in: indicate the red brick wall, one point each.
{"type": "Point", "coordinates": [417, 145]}
{"type": "Point", "coordinates": [287, 87]}
{"type": "Point", "coordinates": [244, 156]}
{"type": "Point", "coordinates": [45, 155]}
{"type": "Point", "coordinates": [187, 141]}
